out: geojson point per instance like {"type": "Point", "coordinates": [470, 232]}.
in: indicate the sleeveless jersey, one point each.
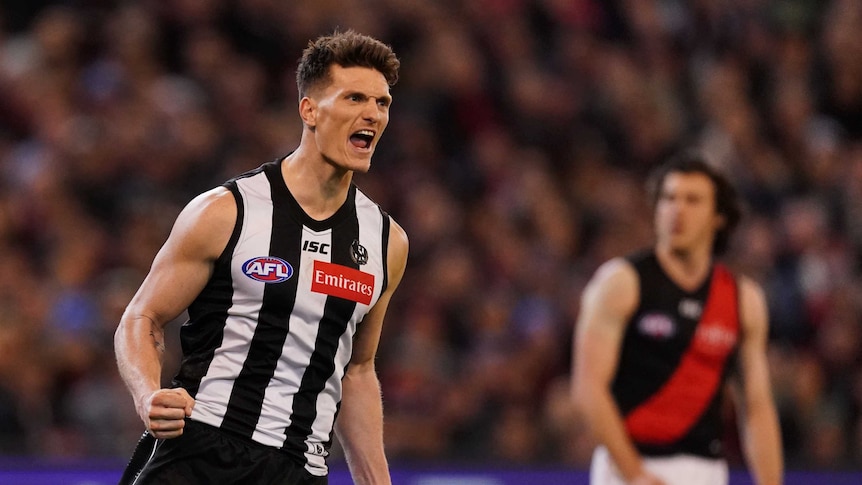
{"type": "Point", "coordinates": [676, 355]}
{"type": "Point", "coordinates": [269, 338]}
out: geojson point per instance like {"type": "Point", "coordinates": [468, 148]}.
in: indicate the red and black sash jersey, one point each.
{"type": "Point", "coordinates": [676, 354]}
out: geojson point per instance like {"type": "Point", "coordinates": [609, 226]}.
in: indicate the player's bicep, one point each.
{"type": "Point", "coordinates": [367, 336]}
{"type": "Point", "coordinates": [606, 305]}
{"type": "Point", "coordinates": [184, 264]}
{"type": "Point", "coordinates": [753, 365]}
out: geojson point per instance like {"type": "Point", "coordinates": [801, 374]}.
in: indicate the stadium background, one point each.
{"type": "Point", "coordinates": [520, 136]}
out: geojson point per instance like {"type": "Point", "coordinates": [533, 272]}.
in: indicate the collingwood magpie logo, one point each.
{"type": "Point", "coordinates": [358, 253]}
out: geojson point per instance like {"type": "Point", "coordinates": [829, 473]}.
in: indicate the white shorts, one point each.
{"type": "Point", "coordinates": [674, 470]}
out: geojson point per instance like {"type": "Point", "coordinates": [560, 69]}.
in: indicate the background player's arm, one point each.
{"type": "Point", "coordinates": [608, 302]}
{"type": "Point", "coordinates": [179, 272]}
{"type": "Point", "coordinates": [761, 435]}
{"type": "Point", "coordinates": [360, 419]}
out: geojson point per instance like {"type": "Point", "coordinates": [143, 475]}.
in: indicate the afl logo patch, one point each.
{"type": "Point", "coordinates": [267, 269]}
{"type": "Point", "coordinates": [657, 326]}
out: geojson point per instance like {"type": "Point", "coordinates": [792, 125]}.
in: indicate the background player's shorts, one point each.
{"type": "Point", "coordinates": [674, 470]}
{"type": "Point", "coordinates": [204, 455]}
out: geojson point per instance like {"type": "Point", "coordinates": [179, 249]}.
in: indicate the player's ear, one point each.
{"type": "Point", "coordinates": [720, 222]}
{"type": "Point", "coordinates": [308, 111]}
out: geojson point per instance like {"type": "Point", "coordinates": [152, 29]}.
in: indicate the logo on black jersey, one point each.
{"type": "Point", "coordinates": [657, 326]}
{"type": "Point", "coordinates": [358, 253]}
{"type": "Point", "coordinates": [267, 269]}
{"type": "Point", "coordinates": [690, 308]}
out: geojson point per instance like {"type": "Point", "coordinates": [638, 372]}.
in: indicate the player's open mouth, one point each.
{"type": "Point", "coordinates": [362, 139]}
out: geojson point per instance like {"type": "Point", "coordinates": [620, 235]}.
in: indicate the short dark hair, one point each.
{"type": "Point", "coordinates": [727, 201]}
{"type": "Point", "coordinates": [346, 49]}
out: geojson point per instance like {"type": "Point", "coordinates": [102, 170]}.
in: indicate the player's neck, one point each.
{"type": "Point", "coordinates": [318, 187]}
{"type": "Point", "coordinates": [687, 268]}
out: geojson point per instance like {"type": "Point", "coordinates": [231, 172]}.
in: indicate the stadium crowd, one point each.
{"type": "Point", "coordinates": [520, 137]}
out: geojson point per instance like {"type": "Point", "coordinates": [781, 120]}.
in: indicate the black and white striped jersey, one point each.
{"type": "Point", "coordinates": [269, 338]}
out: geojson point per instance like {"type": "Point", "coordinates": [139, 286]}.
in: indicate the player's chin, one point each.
{"type": "Point", "coordinates": [680, 246]}
{"type": "Point", "coordinates": [359, 162]}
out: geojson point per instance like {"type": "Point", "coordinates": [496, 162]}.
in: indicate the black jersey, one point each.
{"type": "Point", "coordinates": [675, 357]}
{"type": "Point", "coordinates": [269, 338]}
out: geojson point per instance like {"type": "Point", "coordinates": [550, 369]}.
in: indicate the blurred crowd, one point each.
{"type": "Point", "coordinates": [520, 137]}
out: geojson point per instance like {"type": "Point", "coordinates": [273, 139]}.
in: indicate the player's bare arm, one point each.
{"type": "Point", "coordinates": [180, 270]}
{"type": "Point", "coordinates": [608, 302]}
{"type": "Point", "coordinates": [360, 421]}
{"type": "Point", "coordinates": [761, 434]}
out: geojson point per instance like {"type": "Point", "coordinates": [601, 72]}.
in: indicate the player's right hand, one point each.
{"type": "Point", "coordinates": [165, 411]}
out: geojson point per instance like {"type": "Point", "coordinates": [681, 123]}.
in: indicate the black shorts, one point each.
{"type": "Point", "coordinates": [203, 455]}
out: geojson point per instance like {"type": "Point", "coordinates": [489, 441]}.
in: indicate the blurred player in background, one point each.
{"type": "Point", "coordinates": [658, 335]}
{"type": "Point", "coordinates": [286, 272]}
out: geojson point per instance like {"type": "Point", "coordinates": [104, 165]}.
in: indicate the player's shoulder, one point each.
{"type": "Point", "coordinates": [214, 203]}
{"type": "Point", "coordinates": [397, 230]}
{"type": "Point", "coordinates": [613, 291]}
{"type": "Point", "coordinates": [399, 243]}
{"type": "Point", "coordinates": [753, 306]}
{"type": "Point", "coordinates": [210, 215]}
{"type": "Point", "coordinates": [750, 291]}
{"type": "Point", "coordinates": [747, 287]}
{"type": "Point", "coordinates": [216, 196]}
{"type": "Point", "coordinates": [748, 283]}
{"type": "Point", "coordinates": [616, 269]}
{"type": "Point", "coordinates": [616, 280]}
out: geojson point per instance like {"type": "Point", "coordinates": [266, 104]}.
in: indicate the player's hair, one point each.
{"type": "Point", "coordinates": [727, 201]}
{"type": "Point", "coordinates": [346, 49]}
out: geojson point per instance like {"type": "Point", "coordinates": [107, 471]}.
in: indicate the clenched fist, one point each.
{"type": "Point", "coordinates": [164, 412]}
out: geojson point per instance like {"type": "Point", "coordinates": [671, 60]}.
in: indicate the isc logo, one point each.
{"type": "Point", "coordinates": [315, 247]}
{"type": "Point", "coordinates": [267, 269]}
